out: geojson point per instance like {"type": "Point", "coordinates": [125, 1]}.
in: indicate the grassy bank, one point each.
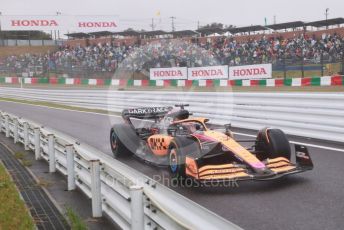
{"type": "Point", "coordinates": [76, 222]}
{"type": "Point", "coordinates": [13, 212]}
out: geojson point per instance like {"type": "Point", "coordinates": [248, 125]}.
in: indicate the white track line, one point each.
{"type": "Point", "coordinates": [298, 143]}
{"type": "Point", "coordinates": [241, 134]}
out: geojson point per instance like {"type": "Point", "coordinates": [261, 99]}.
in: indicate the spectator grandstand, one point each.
{"type": "Point", "coordinates": [106, 54]}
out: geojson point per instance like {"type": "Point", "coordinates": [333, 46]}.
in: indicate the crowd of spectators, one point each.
{"type": "Point", "coordinates": [172, 52]}
{"type": "Point", "coordinates": [95, 58]}
{"type": "Point", "coordinates": [275, 50]}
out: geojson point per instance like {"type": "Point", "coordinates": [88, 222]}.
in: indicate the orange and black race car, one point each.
{"type": "Point", "coordinates": [169, 136]}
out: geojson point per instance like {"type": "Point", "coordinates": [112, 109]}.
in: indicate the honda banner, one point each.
{"type": "Point", "coordinates": [209, 72]}
{"type": "Point", "coordinates": [177, 73]}
{"type": "Point", "coordinates": [93, 23]}
{"type": "Point", "coordinates": [29, 22]}
{"type": "Point", "coordinates": [59, 22]}
{"type": "Point", "coordinates": [250, 72]}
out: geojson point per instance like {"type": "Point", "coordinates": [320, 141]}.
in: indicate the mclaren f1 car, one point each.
{"type": "Point", "coordinates": [170, 136]}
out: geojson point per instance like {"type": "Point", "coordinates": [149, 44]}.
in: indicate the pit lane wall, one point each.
{"type": "Point", "coordinates": [294, 82]}
{"type": "Point", "coordinates": [314, 115]}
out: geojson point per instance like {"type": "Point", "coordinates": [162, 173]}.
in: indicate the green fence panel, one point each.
{"type": "Point", "coordinates": [288, 82]}
{"type": "Point", "coordinates": [315, 81]}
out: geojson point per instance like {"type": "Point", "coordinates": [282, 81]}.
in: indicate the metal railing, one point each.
{"type": "Point", "coordinates": [130, 199]}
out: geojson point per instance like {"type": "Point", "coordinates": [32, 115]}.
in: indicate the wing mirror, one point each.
{"type": "Point", "coordinates": [228, 130]}
{"type": "Point", "coordinates": [198, 127]}
{"type": "Point", "coordinates": [172, 130]}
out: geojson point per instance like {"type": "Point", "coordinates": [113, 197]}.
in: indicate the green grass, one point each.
{"type": "Point", "coordinates": [13, 212]}
{"type": "Point", "coordinates": [19, 155]}
{"type": "Point", "coordinates": [44, 182]}
{"type": "Point", "coordinates": [27, 163]}
{"type": "Point", "coordinates": [76, 222]}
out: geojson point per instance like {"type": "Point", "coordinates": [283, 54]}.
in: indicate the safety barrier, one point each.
{"type": "Point", "coordinates": [294, 82]}
{"type": "Point", "coordinates": [129, 198]}
{"type": "Point", "coordinates": [315, 115]}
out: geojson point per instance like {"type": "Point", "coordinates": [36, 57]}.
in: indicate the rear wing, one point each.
{"type": "Point", "coordinates": [148, 113]}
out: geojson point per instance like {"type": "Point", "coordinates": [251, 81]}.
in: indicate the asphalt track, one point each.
{"type": "Point", "coordinates": [312, 200]}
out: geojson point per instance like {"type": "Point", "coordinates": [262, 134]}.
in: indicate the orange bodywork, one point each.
{"type": "Point", "coordinates": [199, 119]}
{"type": "Point", "coordinates": [191, 168]}
{"type": "Point", "coordinates": [159, 144]}
{"type": "Point", "coordinates": [235, 147]}
{"type": "Point", "coordinates": [280, 164]}
{"type": "Point", "coordinates": [225, 171]}
{"type": "Point", "coordinates": [230, 171]}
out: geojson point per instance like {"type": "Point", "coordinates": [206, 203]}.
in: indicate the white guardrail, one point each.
{"type": "Point", "coordinates": [314, 115]}
{"type": "Point", "coordinates": [129, 198]}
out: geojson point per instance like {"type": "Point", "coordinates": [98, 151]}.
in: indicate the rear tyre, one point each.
{"type": "Point", "coordinates": [117, 147]}
{"type": "Point", "coordinates": [272, 143]}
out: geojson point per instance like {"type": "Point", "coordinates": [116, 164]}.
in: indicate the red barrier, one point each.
{"type": "Point", "coordinates": [209, 83]}
{"type": "Point", "coordinates": [337, 80]}
{"type": "Point", "coordinates": [188, 83]}
{"type": "Point", "coordinates": [306, 82]}
{"type": "Point", "coordinates": [100, 82]}
{"type": "Point", "coordinates": [145, 82]}
{"type": "Point", "coordinates": [255, 82]}
{"type": "Point", "coordinates": [279, 82]}
{"type": "Point", "coordinates": [167, 83]}
{"type": "Point", "coordinates": [77, 81]}
{"type": "Point", "coordinates": [53, 80]}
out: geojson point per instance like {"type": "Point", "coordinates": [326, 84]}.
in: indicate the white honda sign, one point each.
{"type": "Point", "coordinates": [177, 73]}
{"type": "Point", "coordinates": [209, 72]}
{"type": "Point", "coordinates": [29, 22]}
{"type": "Point", "coordinates": [93, 23]}
{"type": "Point", "coordinates": [250, 72]}
{"type": "Point", "coordinates": [71, 23]}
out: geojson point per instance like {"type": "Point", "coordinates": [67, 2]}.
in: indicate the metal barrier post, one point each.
{"type": "Point", "coordinates": [302, 64]}
{"type": "Point", "coordinates": [95, 189]}
{"type": "Point", "coordinates": [70, 167]}
{"type": "Point", "coordinates": [322, 62]}
{"type": "Point", "coordinates": [15, 130]}
{"type": "Point", "coordinates": [26, 135]}
{"type": "Point", "coordinates": [284, 65]}
{"type": "Point", "coordinates": [37, 136]}
{"type": "Point", "coordinates": [136, 207]}
{"type": "Point", "coordinates": [342, 58]}
{"type": "Point", "coordinates": [7, 126]}
{"type": "Point", "coordinates": [51, 151]}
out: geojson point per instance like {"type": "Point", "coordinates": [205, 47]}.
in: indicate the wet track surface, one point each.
{"type": "Point", "coordinates": [312, 200]}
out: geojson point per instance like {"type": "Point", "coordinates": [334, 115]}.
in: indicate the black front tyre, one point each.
{"type": "Point", "coordinates": [176, 163]}
{"type": "Point", "coordinates": [178, 150]}
{"type": "Point", "coordinates": [272, 143]}
{"type": "Point", "coordinates": [117, 147]}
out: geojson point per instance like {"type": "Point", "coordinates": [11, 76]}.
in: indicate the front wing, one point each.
{"type": "Point", "coordinates": [275, 168]}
